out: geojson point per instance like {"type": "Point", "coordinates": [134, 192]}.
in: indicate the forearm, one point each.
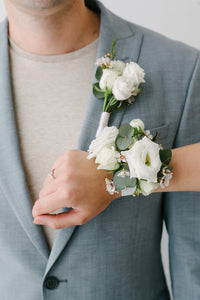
{"type": "Point", "coordinates": [186, 169]}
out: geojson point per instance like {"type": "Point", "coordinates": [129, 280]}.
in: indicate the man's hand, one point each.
{"type": "Point", "coordinates": [78, 185]}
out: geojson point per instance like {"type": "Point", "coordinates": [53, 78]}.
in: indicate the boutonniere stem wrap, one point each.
{"type": "Point", "coordinates": [117, 83]}
{"type": "Point", "coordinates": [138, 163]}
{"type": "Point", "coordinates": [105, 116]}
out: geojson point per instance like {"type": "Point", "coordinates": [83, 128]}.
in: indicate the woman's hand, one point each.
{"type": "Point", "coordinates": [77, 184]}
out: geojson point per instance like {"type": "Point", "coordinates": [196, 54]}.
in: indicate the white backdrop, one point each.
{"type": "Point", "coordinates": [177, 19]}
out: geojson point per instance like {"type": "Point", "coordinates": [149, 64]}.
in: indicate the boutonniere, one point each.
{"type": "Point", "coordinates": [117, 83]}
{"type": "Point", "coordinates": [138, 163]}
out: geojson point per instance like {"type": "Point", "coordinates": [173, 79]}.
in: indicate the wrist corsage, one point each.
{"type": "Point", "coordinates": [138, 163]}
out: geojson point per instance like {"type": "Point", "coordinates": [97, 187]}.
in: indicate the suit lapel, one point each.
{"type": "Point", "coordinates": [12, 177]}
{"type": "Point", "coordinates": [110, 27]}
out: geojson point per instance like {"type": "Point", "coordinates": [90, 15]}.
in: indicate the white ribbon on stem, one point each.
{"type": "Point", "coordinates": [128, 192]}
{"type": "Point", "coordinates": [105, 116]}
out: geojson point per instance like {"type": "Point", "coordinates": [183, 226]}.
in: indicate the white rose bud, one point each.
{"type": "Point", "coordinates": [108, 159]}
{"type": "Point", "coordinates": [106, 138]}
{"type": "Point", "coordinates": [107, 79]}
{"type": "Point", "coordinates": [147, 187]}
{"type": "Point", "coordinates": [122, 88]}
{"type": "Point", "coordinates": [144, 160]}
{"type": "Point", "coordinates": [137, 123]}
{"type": "Point", "coordinates": [118, 66]}
{"type": "Point", "coordinates": [134, 72]}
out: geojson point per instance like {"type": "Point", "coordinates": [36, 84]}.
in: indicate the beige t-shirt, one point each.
{"type": "Point", "coordinates": [50, 95]}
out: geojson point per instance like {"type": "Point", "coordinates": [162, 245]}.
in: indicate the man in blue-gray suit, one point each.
{"type": "Point", "coordinates": [104, 248]}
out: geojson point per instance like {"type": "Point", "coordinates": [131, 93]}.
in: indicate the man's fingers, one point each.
{"type": "Point", "coordinates": [51, 203]}
{"type": "Point", "coordinates": [48, 189]}
{"type": "Point", "coordinates": [62, 220]}
{"type": "Point", "coordinates": [58, 161]}
{"type": "Point", "coordinates": [48, 180]}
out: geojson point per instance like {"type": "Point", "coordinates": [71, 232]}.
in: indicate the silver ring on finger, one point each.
{"type": "Point", "coordinates": [51, 174]}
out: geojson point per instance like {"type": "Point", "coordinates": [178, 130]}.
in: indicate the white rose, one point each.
{"type": "Point", "coordinates": [123, 88]}
{"type": "Point", "coordinates": [106, 138]}
{"type": "Point", "coordinates": [107, 79]}
{"type": "Point", "coordinates": [144, 160]}
{"type": "Point", "coordinates": [118, 66]}
{"type": "Point", "coordinates": [147, 187]}
{"type": "Point", "coordinates": [134, 72]}
{"type": "Point", "coordinates": [108, 159]}
{"type": "Point", "coordinates": [137, 123]}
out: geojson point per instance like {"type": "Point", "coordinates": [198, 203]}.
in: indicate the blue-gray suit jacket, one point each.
{"type": "Point", "coordinates": [116, 255]}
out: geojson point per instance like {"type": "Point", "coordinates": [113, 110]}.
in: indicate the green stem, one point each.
{"type": "Point", "coordinates": [111, 102]}
{"type": "Point", "coordinates": [112, 48]}
{"type": "Point", "coordinates": [118, 109]}
{"type": "Point", "coordinates": [105, 102]}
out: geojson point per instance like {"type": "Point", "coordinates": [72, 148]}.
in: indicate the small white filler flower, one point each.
{"type": "Point", "coordinates": [110, 188]}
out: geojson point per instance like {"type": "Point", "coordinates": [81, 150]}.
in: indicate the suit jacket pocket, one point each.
{"type": "Point", "coordinates": [163, 134]}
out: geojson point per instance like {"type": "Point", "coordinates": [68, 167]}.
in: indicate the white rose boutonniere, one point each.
{"type": "Point", "coordinates": [127, 85]}
{"type": "Point", "coordinates": [135, 73]}
{"type": "Point", "coordinates": [107, 79]}
{"type": "Point", "coordinates": [117, 83]}
{"type": "Point", "coordinates": [123, 88]}
{"type": "Point", "coordinates": [118, 66]}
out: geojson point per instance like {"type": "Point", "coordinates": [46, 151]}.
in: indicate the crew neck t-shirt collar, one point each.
{"type": "Point", "coordinates": [53, 58]}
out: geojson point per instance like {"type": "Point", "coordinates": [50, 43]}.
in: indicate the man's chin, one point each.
{"type": "Point", "coordinates": [42, 7]}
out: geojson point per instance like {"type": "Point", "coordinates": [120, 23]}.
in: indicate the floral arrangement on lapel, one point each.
{"type": "Point", "coordinates": [138, 163]}
{"type": "Point", "coordinates": [118, 83]}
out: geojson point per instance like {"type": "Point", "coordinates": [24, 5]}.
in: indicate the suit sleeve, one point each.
{"type": "Point", "coordinates": [182, 209]}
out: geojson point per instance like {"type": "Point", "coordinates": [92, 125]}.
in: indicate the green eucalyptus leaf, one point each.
{"type": "Point", "coordinates": [98, 93]}
{"type": "Point", "coordinates": [126, 130]}
{"type": "Point", "coordinates": [98, 73]}
{"type": "Point", "coordinates": [130, 182]}
{"type": "Point", "coordinates": [123, 143]}
{"type": "Point", "coordinates": [122, 183]}
{"type": "Point", "coordinates": [119, 182]}
{"type": "Point", "coordinates": [165, 156]}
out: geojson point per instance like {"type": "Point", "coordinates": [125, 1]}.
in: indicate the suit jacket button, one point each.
{"type": "Point", "coordinates": [51, 282]}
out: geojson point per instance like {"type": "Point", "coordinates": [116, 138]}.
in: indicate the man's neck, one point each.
{"type": "Point", "coordinates": [61, 30]}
